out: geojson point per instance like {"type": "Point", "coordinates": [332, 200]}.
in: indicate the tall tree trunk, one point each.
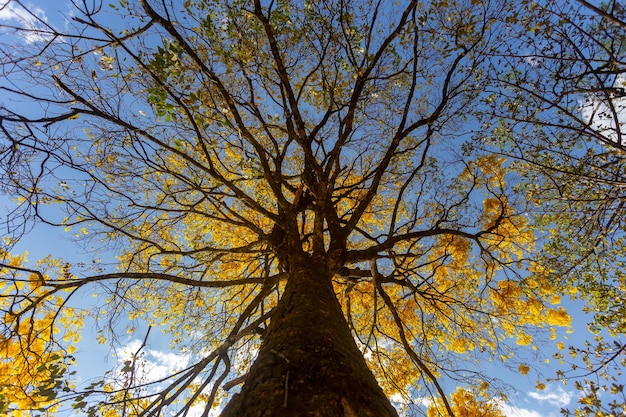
{"type": "Point", "coordinates": [309, 364]}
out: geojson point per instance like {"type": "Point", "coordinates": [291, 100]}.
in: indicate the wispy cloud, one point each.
{"type": "Point", "coordinates": [557, 397]}
{"type": "Point", "coordinates": [607, 115]}
{"type": "Point", "coordinates": [164, 363]}
{"type": "Point", "coordinates": [512, 411]}
{"type": "Point", "coordinates": [155, 364]}
{"type": "Point", "coordinates": [28, 21]}
{"type": "Point", "coordinates": [553, 398]}
{"type": "Point", "coordinates": [199, 409]}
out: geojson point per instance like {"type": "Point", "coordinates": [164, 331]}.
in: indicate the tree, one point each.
{"type": "Point", "coordinates": [282, 178]}
{"type": "Point", "coordinates": [569, 140]}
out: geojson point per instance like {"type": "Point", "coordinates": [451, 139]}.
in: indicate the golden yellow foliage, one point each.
{"type": "Point", "coordinates": [33, 363]}
{"type": "Point", "coordinates": [465, 403]}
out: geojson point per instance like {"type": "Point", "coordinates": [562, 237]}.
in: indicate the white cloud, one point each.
{"type": "Point", "coordinates": [533, 60]}
{"type": "Point", "coordinates": [154, 365]}
{"type": "Point", "coordinates": [512, 411]}
{"type": "Point", "coordinates": [151, 365]}
{"type": "Point", "coordinates": [30, 20]}
{"type": "Point", "coordinates": [162, 364]}
{"type": "Point", "coordinates": [198, 410]}
{"type": "Point", "coordinates": [608, 120]}
{"type": "Point", "coordinates": [556, 397]}
{"type": "Point", "coordinates": [552, 398]}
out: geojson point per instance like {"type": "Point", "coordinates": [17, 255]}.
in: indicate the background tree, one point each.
{"type": "Point", "coordinates": [568, 139]}
{"type": "Point", "coordinates": [286, 189]}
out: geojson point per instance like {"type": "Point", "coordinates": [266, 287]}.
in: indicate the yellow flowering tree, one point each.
{"type": "Point", "coordinates": [290, 197]}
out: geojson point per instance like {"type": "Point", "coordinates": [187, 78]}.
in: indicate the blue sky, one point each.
{"type": "Point", "coordinates": [93, 359]}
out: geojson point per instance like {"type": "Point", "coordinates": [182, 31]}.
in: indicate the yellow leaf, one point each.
{"type": "Point", "coordinates": [523, 369]}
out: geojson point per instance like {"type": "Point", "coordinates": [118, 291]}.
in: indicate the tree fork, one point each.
{"type": "Point", "coordinates": [309, 364]}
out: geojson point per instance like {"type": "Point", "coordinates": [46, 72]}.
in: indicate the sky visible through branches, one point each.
{"type": "Point", "coordinates": [526, 399]}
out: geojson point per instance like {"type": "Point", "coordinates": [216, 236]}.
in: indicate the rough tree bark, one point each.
{"type": "Point", "coordinates": [309, 364]}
